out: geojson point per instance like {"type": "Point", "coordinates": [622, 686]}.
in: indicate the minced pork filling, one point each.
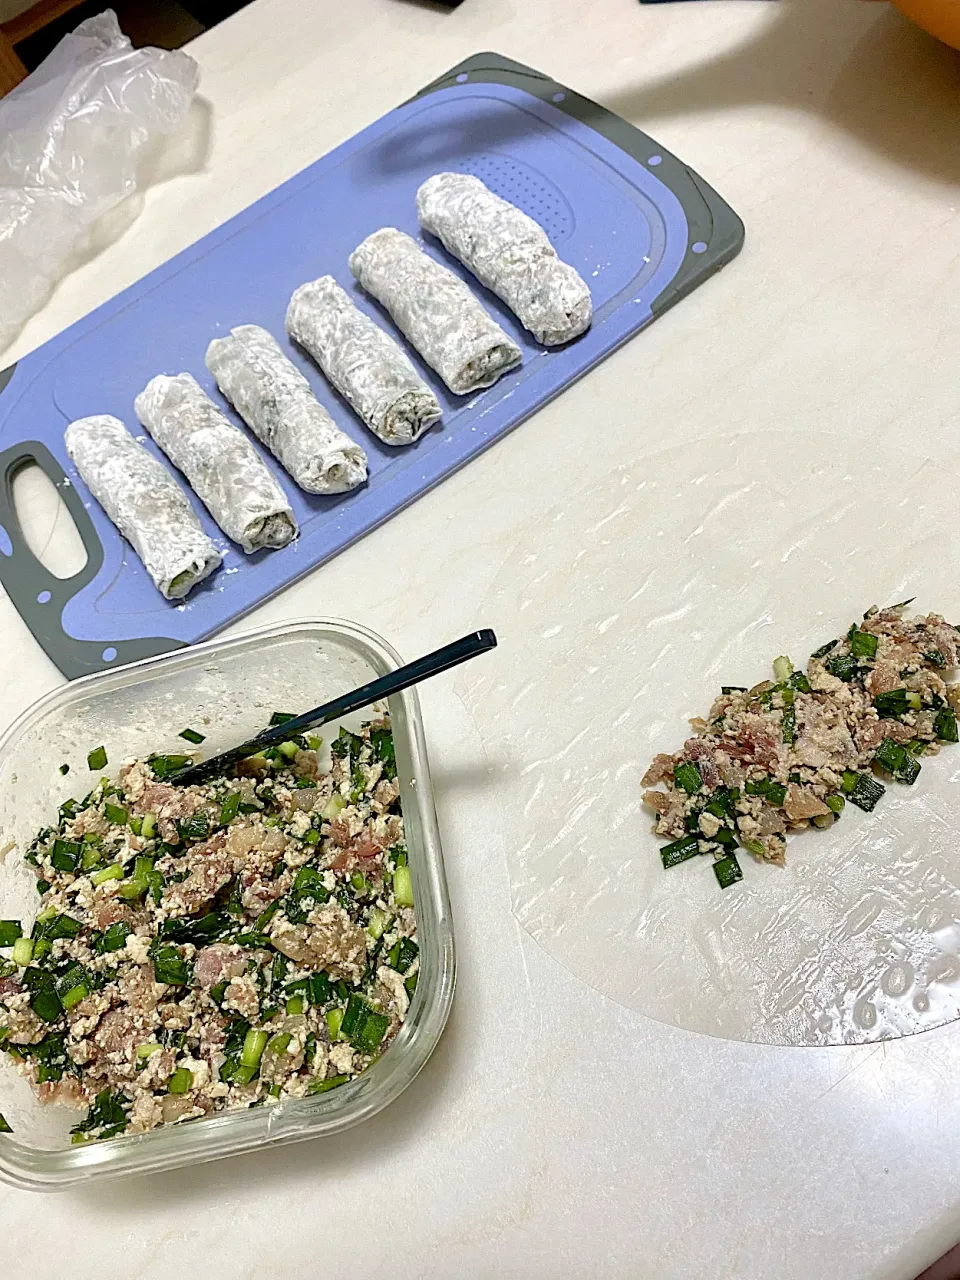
{"type": "Point", "coordinates": [792, 751]}
{"type": "Point", "coordinates": [205, 948]}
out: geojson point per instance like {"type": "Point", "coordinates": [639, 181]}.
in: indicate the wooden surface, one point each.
{"type": "Point", "coordinates": [37, 16]}
{"type": "Point", "coordinates": [12, 70]}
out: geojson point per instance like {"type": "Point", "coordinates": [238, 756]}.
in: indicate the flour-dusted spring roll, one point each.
{"type": "Point", "coordinates": [509, 253]}
{"type": "Point", "coordinates": [436, 311]}
{"type": "Point", "coordinates": [223, 467]}
{"type": "Point", "coordinates": [276, 402]}
{"type": "Point", "coordinates": [365, 365]}
{"type": "Point", "coordinates": [144, 501]}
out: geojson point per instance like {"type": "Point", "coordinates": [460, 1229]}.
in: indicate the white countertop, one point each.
{"type": "Point", "coordinates": [555, 1133]}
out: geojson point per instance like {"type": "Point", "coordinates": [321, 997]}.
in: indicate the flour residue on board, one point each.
{"type": "Point", "coordinates": [620, 615]}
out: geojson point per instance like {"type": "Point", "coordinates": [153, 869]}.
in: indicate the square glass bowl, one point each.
{"type": "Point", "coordinates": [227, 689]}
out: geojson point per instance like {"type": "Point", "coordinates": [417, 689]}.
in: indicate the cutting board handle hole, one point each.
{"type": "Point", "coordinates": [46, 524]}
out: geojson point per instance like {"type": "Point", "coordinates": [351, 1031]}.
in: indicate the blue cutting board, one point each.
{"type": "Point", "coordinates": [639, 226]}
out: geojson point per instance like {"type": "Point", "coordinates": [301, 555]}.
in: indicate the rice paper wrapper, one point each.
{"type": "Point", "coordinates": [277, 404]}
{"type": "Point", "coordinates": [145, 502]}
{"type": "Point", "coordinates": [508, 252]}
{"type": "Point", "coordinates": [621, 614]}
{"type": "Point", "coordinates": [223, 468]}
{"type": "Point", "coordinates": [435, 310]}
{"type": "Point", "coordinates": [366, 366]}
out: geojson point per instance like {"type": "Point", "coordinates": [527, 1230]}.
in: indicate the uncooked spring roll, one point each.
{"type": "Point", "coordinates": [144, 501]}
{"type": "Point", "coordinates": [223, 467]}
{"type": "Point", "coordinates": [508, 252]}
{"type": "Point", "coordinates": [365, 365]}
{"type": "Point", "coordinates": [436, 311]}
{"type": "Point", "coordinates": [276, 402]}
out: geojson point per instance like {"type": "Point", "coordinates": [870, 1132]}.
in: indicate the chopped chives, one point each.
{"type": "Point", "coordinates": [66, 854]}
{"type": "Point", "coordinates": [862, 643]}
{"type": "Point", "coordinates": [191, 735]}
{"type": "Point", "coordinates": [113, 872]}
{"type": "Point", "coordinates": [897, 761]}
{"type": "Point", "coordinates": [64, 769]}
{"type": "Point", "coordinates": [324, 1086]}
{"type": "Point", "coordinates": [281, 717]}
{"type": "Point", "coordinates": [334, 807]}
{"type": "Point", "coordinates": [334, 1023]}
{"type": "Point", "coordinates": [945, 726]}
{"type": "Point", "coordinates": [280, 1042]}
{"type": "Point", "coordinates": [164, 766]}
{"type": "Point", "coordinates": [113, 939]}
{"type": "Point", "coordinates": [935, 657]}
{"type": "Point", "coordinates": [679, 851]}
{"type": "Point", "coordinates": [836, 803]}
{"type": "Point", "coordinates": [22, 952]}
{"type": "Point", "coordinates": [865, 792]}
{"type": "Point", "coordinates": [97, 760]}
{"type": "Point", "coordinates": [296, 1006]}
{"type": "Point", "coordinates": [10, 931]}
{"type": "Point", "coordinates": [788, 725]}
{"type": "Point", "coordinates": [727, 870]}
{"type": "Point", "coordinates": [288, 749]}
{"type": "Point", "coordinates": [377, 923]}
{"type": "Point", "coordinates": [230, 808]}
{"type": "Point", "coordinates": [181, 1081]}
{"type": "Point", "coordinates": [897, 702]}
{"type": "Point", "coordinates": [800, 682]}
{"type": "Point", "coordinates": [825, 649]}
{"type": "Point", "coordinates": [844, 666]}
{"type": "Point", "coordinates": [312, 836]}
{"type": "Point", "coordinates": [115, 813]}
{"type": "Point", "coordinates": [148, 828]}
{"type": "Point", "coordinates": [688, 777]}
{"type": "Point", "coordinates": [253, 1046]}
{"type": "Point", "coordinates": [313, 742]}
{"type": "Point", "coordinates": [145, 1051]}
{"type": "Point", "coordinates": [4, 1127]}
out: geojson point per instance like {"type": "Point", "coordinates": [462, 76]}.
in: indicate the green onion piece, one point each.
{"type": "Point", "coordinates": [727, 870]}
{"type": "Point", "coordinates": [136, 826]}
{"type": "Point", "coordinates": [334, 807]}
{"type": "Point", "coordinates": [164, 766]}
{"type": "Point", "coordinates": [22, 952]}
{"type": "Point", "coordinates": [836, 803]}
{"type": "Point", "coordinates": [10, 931]}
{"type": "Point", "coordinates": [862, 643]}
{"type": "Point", "coordinates": [114, 938]}
{"type": "Point", "coordinates": [849, 780]}
{"type": "Point", "coordinates": [149, 828]}
{"type": "Point", "coordinates": [897, 761]}
{"type": "Point", "coordinates": [687, 775]}
{"type": "Point", "coordinates": [91, 856]}
{"type": "Point", "coordinates": [935, 657]}
{"type": "Point", "coordinates": [114, 872]}
{"type": "Point", "coordinates": [170, 967]}
{"type": "Point", "coordinates": [145, 1051]}
{"type": "Point", "coordinates": [313, 742]}
{"type": "Point", "coordinates": [97, 760]}
{"type": "Point", "coordinates": [288, 749]}
{"type": "Point", "coordinates": [44, 1000]}
{"type": "Point", "coordinates": [945, 726]}
{"type": "Point", "coordinates": [411, 983]}
{"type": "Point", "coordinates": [844, 666]}
{"type": "Point", "coordinates": [866, 792]}
{"type": "Point", "coordinates": [782, 669]}
{"type": "Point", "coordinates": [334, 1023]}
{"type": "Point", "coordinates": [788, 725]}
{"type": "Point", "coordinates": [230, 808]}
{"type": "Point", "coordinates": [800, 682]}
{"type": "Point", "coordinates": [402, 954]}
{"type": "Point", "coordinates": [312, 837]}
{"type": "Point", "coordinates": [403, 887]}
{"type": "Point", "coordinates": [324, 1086]}
{"type": "Point", "coordinates": [191, 735]}
{"type": "Point", "coordinates": [181, 1081]}
{"type": "Point", "coordinates": [4, 1127]}
{"type": "Point", "coordinates": [281, 717]}
{"type": "Point", "coordinates": [824, 820]}
{"type": "Point", "coordinates": [377, 924]}
{"type": "Point", "coordinates": [115, 813]}
{"type": "Point", "coordinates": [296, 1006]}
{"type": "Point", "coordinates": [66, 854]}
{"type": "Point", "coordinates": [753, 846]}
{"type": "Point", "coordinates": [368, 1037]}
{"type": "Point", "coordinates": [253, 1046]}
{"type": "Point", "coordinates": [679, 851]}
{"type": "Point", "coordinates": [825, 649]}
{"type": "Point", "coordinates": [73, 986]}
{"type": "Point", "coordinates": [280, 1042]}
{"type": "Point", "coordinates": [64, 769]}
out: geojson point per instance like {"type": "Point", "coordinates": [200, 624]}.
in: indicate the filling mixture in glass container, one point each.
{"type": "Point", "coordinates": [212, 948]}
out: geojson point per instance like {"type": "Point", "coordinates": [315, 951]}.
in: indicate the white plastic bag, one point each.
{"type": "Point", "coordinates": [70, 138]}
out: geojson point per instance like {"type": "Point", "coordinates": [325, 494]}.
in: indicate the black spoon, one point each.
{"type": "Point", "coordinates": [451, 655]}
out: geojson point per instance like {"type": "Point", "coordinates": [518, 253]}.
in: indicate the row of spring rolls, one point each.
{"type": "Point", "coordinates": [506, 250]}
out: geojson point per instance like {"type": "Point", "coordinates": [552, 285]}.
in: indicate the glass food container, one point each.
{"type": "Point", "coordinates": [229, 689]}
